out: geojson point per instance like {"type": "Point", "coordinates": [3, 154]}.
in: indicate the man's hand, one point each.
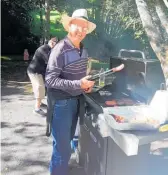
{"type": "Point", "coordinates": [86, 84]}
{"type": "Point", "coordinates": [88, 90]}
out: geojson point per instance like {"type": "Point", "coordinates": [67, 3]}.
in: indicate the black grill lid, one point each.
{"type": "Point", "coordinates": [140, 76]}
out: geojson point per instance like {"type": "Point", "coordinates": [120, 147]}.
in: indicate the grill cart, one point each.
{"type": "Point", "coordinates": [109, 146]}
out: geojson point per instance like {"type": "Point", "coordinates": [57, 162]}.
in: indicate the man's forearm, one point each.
{"type": "Point", "coordinates": [63, 84]}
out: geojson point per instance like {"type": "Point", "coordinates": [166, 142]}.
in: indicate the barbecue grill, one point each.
{"type": "Point", "coordinates": [134, 86]}
{"type": "Point", "coordinates": [141, 76]}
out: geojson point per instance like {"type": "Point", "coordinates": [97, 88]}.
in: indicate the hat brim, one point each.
{"type": "Point", "coordinates": [67, 19]}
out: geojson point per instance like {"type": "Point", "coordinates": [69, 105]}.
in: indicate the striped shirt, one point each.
{"type": "Point", "coordinates": [66, 66]}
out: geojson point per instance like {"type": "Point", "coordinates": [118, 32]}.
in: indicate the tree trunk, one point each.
{"type": "Point", "coordinates": [161, 14]}
{"type": "Point", "coordinates": [41, 22]}
{"type": "Point", "coordinates": [160, 48]}
{"type": "Point", "coordinates": [47, 20]}
{"type": "Point", "coordinates": [166, 3]}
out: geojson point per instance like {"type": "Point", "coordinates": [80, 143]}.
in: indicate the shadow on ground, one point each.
{"type": "Point", "coordinates": [16, 88]}
{"type": "Point", "coordinates": [25, 150]}
{"type": "Point", "coordinates": [24, 146]}
{"type": "Point", "coordinates": [14, 71]}
{"type": "Point", "coordinates": [14, 79]}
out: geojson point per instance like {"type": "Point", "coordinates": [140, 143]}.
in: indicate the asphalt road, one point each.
{"type": "Point", "coordinates": [25, 150]}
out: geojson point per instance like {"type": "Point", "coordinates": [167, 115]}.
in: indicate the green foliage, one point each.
{"type": "Point", "coordinates": [118, 26]}
{"type": "Point", "coordinates": [91, 1]}
{"type": "Point", "coordinates": [56, 28]}
{"type": "Point", "coordinates": [118, 23]}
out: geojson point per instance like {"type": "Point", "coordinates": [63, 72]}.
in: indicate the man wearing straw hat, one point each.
{"type": "Point", "coordinates": [66, 80]}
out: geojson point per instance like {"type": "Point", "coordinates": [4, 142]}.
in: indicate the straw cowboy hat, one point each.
{"type": "Point", "coordinates": [78, 14]}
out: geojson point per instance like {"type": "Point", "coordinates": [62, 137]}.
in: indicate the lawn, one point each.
{"type": "Point", "coordinates": [56, 28]}
{"type": "Point", "coordinates": [11, 58]}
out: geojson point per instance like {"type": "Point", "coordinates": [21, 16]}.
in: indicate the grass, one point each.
{"type": "Point", "coordinates": [56, 28]}
{"type": "Point", "coordinates": [11, 58]}
{"type": "Point", "coordinates": [97, 64]}
{"type": "Point", "coordinates": [5, 58]}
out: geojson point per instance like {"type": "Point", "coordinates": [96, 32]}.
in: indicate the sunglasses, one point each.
{"type": "Point", "coordinates": [80, 28]}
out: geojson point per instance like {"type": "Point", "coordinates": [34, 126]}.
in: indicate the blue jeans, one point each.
{"type": "Point", "coordinates": [63, 129]}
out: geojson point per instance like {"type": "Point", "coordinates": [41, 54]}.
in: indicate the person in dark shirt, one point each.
{"type": "Point", "coordinates": [36, 72]}
{"type": "Point", "coordinates": [66, 80]}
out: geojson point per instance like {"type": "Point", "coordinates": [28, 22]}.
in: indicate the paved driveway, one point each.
{"type": "Point", "coordinates": [25, 148]}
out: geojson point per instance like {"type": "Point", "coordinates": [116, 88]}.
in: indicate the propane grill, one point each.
{"type": "Point", "coordinates": [133, 86]}
{"type": "Point", "coordinates": [141, 76]}
{"type": "Point", "coordinates": [102, 138]}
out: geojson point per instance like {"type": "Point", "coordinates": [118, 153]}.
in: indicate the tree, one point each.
{"type": "Point", "coordinates": [161, 14]}
{"type": "Point", "coordinates": [166, 3]}
{"type": "Point", "coordinates": [157, 42]}
{"type": "Point", "coordinates": [47, 20]}
{"type": "Point", "coordinates": [41, 3]}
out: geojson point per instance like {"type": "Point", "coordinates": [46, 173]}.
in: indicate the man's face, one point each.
{"type": "Point", "coordinates": [53, 44]}
{"type": "Point", "coordinates": [78, 29]}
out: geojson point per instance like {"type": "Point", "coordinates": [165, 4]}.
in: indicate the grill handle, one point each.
{"type": "Point", "coordinates": [131, 51]}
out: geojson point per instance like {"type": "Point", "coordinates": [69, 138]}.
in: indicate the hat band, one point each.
{"type": "Point", "coordinates": [80, 17]}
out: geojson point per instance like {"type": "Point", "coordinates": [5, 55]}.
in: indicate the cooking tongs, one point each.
{"type": "Point", "coordinates": [106, 73]}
